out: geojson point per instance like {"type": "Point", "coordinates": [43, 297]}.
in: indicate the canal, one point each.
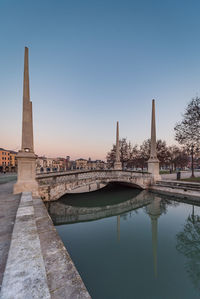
{"type": "Point", "coordinates": [128, 243]}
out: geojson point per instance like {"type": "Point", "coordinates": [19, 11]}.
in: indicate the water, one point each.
{"type": "Point", "coordinates": [131, 244]}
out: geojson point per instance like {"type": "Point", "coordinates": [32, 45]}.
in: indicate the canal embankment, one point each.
{"type": "Point", "coordinates": [37, 264]}
{"type": "Point", "coordinates": [181, 189]}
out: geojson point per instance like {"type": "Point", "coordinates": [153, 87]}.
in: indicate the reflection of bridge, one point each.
{"type": "Point", "coordinates": [61, 213]}
{"type": "Point", "coordinates": [53, 186]}
{"type": "Point", "coordinates": [50, 187]}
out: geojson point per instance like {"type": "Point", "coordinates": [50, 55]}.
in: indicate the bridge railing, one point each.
{"type": "Point", "coordinates": [69, 172]}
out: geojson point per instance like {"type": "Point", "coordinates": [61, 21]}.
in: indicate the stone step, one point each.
{"type": "Point", "coordinates": [179, 185]}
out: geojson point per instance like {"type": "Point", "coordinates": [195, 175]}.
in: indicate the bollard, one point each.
{"type": "Point", "coordinates": [178, 175]}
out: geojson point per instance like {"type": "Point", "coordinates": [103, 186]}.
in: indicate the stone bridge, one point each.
{"type": "Point", "coordinates": [54, 185]}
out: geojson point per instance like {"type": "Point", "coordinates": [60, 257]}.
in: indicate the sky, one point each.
{"type": "Point", "coordinates": [95, 62]}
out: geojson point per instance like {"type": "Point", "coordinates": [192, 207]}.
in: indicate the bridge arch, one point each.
{"type": "Point", "coordinates": [54, 185]}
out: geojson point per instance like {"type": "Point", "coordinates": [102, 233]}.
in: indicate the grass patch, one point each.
{"type": "Point", "coordinates": [195, 180]}
{"type": "Point", "coordinates": [166, 171]}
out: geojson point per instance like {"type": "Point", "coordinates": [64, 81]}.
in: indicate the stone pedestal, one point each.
{"type": "Point", "coordinates": [26, 181]}
{"type": "Point", "coordinates": [118, 165]}
{"type": "Point", "coordinates": [153, 167]}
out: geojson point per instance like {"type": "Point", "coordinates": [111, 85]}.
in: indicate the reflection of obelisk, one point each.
{"type": "Point", "coordinates": [154, 213]}
{"type": "Point", "coordinates": [153, 162]}
{"type": "Point", "coordinates": [118, 227]}
{"type": "Point", "coordinates": [26, 157]}
{"type": "Point", "coordinates": [117, 164]}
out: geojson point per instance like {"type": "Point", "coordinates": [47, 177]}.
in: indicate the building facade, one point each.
{"type": "Point", "coordinates": [8, 160]}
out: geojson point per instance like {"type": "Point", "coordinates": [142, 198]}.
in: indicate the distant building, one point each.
{"type": "Point", "coordinates": [90, 164]}
{"type": "Point", "coordinates": [68, 163]}
{"type": "Point", "coordinates": [8, 160]}
{"type": "Point", "coordinates": [4, 159]}
{"type": "Point", "coordinates": [41, 164]}
{"type": "Point", "coordinates": [60, 164]}
{"type": "Point", "coordinates": [96, 165]}
{"type": "Point", "coordinates": [65, 164]}
{"type": "Point", "coordinates": [13, 161]}
{"type": "Point", "coordinates": [81, 163]}
{"type": "Point", "coordinates": [44, 164]}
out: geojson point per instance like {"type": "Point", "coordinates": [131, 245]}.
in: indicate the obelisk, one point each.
{"type": "Point", "coordinates": [153, 162]}
{"type": "Point", "coordinates": [26, 157]}
{"type": "Point", "coordinates": [117, 163]}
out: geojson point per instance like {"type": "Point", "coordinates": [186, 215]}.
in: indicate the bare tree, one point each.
{"type": "Point", "coordinates": [125, 153]}
{"type": "Point", "coordinates": [178, 157]}
{"type": "Point", "coordinates": [187, 131]}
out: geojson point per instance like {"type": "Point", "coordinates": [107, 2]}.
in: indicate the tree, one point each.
{"type": "Point", "coordinates": [188, 243]}
{"type": "Point", "coordinates": [111, 156]}
{"type": "Point", "coordinates": [187, 131]}
{"type": "Point", "coordinates": [163, 153]}
{"type": "Point", "coordinates": [137, 156]}
{"type": "Point", "coordinates": [133, 162]}
{"type": "Point", "coordinates": [125, 149]}
{"type": "Point", "coordinates": [178, 157]}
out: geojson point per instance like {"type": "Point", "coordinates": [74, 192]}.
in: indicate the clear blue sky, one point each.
{"type": "Point", "coordinates": [93, 63]}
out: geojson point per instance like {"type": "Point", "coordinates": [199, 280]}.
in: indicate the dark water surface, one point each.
{"type": "Point", "coordinates": [128, 243]}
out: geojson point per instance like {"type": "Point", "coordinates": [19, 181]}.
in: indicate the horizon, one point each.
{"type": "Point", "coordinates": [91, 64]}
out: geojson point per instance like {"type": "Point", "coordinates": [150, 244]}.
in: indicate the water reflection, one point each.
{"type": "Point", "coordinates": [124, 238]}
{"type": "Point", "coordinates": [75, 208]}
{"type": "Point", "coordinates": [118, 228]}
{"type": "Point", "coordinates": [154, 211]}
{"type": "Point", "coordinates": [188, 244]}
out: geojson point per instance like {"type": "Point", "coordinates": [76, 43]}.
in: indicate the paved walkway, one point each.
{"type": "Point", "coordinates": [184, 175]}
{"type": "Point", "coordinates": [33, 260]}
{"type": "Point", "coordinates": [8, 208]}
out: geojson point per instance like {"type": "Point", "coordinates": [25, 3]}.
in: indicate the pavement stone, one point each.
{"type": "Point", "coordinates": [8, 208]}
{"type": "Point", "coordinates": [33, 260]}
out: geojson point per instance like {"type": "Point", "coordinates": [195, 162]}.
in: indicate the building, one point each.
{"type": "Point", "coordinates": [68, 163]}
{"type": "Point", "coordinates": [13, 161]}
{"type": "Point", "coordinates": [41, 164]}
{"type": "Point", "coordinates": [44, 164]}
{"type": "Point", "coordinates": [81, 163]}
{"type": "Point", "coordinates": [60, 164]}
{"type": "Point", "coordinates": [4, 160]}
{"type": "Point", "coordinates": [96, 164]}
{"type": "Point", "coordinates": [8, 160]}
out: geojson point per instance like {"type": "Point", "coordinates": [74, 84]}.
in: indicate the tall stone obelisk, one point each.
{"type": "Point", "coordinates": [117, 163]}
{"type": "Point", "coordinates": [26, 157]}
{"type": "Point", "coordinates": [153, 162]}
